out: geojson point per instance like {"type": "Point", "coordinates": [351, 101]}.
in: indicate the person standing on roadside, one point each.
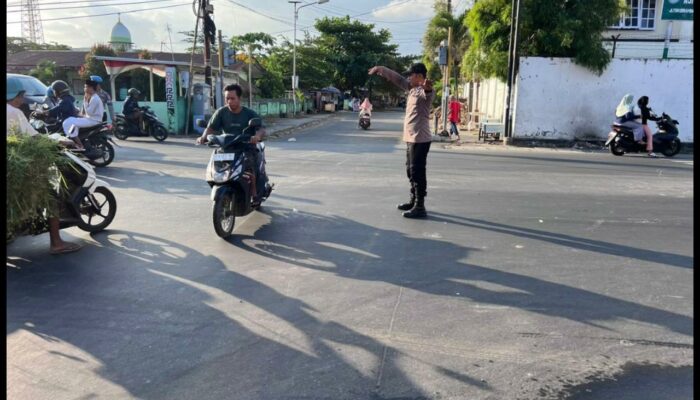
{"type": "Point", "coordinates": [416, 131]}
{"type": "Point", "coordinates": [455, 107]}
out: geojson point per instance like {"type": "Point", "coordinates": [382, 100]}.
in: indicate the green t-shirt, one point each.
{"type": "Point", "coordinates": [228, 122]}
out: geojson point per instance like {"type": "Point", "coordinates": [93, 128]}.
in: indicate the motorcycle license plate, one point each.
{"type": "Point", "coordinates": [225, 157]}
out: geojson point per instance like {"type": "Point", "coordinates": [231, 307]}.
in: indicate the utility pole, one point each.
{"type": "Point", "coordinates": [294, 57]}
{"type": "Point", "coordinates": [250, 78]}
{"type": "Point", "coordinates": [512, 54]}
{"type": "Point", "coordinates": [191, 76]}
{"type": "Point", "coordinates": [206, 10]}
{"type": "Point", "coordinates": [446, 80]}
{"type": "Point", "coordinates": [220, 86]}
{"type": "Point", "coordinates": [172, 52]}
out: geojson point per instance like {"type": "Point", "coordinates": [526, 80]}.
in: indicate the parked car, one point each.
{"type": "Point", "coordinates": [34, 91]}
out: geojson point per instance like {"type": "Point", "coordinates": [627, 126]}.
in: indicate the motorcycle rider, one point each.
{"type": "Point", "coordinates": [233, 119]}
{"type": "Point", "coordinates": [366, 107]}
{"type": "Point", "coordinates": [50, 99]}
{"type": "Point", "coordinates": [643, 104]}
{"type": "Point", "coordinates": [106, 99]}
{"type": "Point", "coordinates": [17, 121]}
{"type": "Point", "coordinates": [90, 114]}
{"type": "Point", "coordinates": [131, 109]}
{"type": "Point", "coordinates": [66, 103]}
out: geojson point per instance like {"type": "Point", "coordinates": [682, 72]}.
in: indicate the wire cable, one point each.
{"type": "Point", "coordinates": [101, 15]}
{"type": "Point", "coordinates": [95, 5]}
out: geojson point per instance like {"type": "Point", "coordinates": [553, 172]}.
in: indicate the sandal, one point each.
{"type": "Point", "coordinates": [652, 155]}
{"type": "Point", "coordinates": [69, 248]}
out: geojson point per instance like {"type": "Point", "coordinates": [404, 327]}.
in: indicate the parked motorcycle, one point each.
{"type": "Point", "coordinates": [665, 140]}
{"type": "Point", "coordinates": [89, 205]}
{"type": "Point", "coordinates": [364, 120]}
{"type": "Point", "coordinates": [96, 139]}
{"type": "Point", "coordinates": [123, 128]}
{"type": "Point", "coordinates": [231, 174]}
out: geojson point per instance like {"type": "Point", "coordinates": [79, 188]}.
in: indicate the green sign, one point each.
{"type": "Point", "coordinates": [678, 10]}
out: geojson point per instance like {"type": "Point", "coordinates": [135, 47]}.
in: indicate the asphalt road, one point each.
{"type": "Point", "coordinates": [539, 274]}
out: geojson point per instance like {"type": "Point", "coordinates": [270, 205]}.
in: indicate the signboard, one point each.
{"type": "Point", "coordinates": [678, 10]}
{"type": "Point", "coordinates": [170, 97]}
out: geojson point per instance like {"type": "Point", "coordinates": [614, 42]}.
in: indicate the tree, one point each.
{"type": "Point", "coordinates": [437, 31]}
{"type": "Point", "coordinates": [93, 66]}
{"type": "Point", "coordinates": [189, 39]}
{"type": "Point", "coordinates": [18, 44]}
{"type": "Point", "coordinates": [351, 48]}
{"type": "Point", "coordinates": [571, 28]}
{"type": "Point", "coordinates": [45, 71]}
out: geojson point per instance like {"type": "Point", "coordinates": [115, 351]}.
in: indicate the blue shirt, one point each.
{"type": "Point", "coordinates": [64, 109]}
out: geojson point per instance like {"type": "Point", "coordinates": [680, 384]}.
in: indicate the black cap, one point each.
{"type": "Point", "coordinates": [417, 68]}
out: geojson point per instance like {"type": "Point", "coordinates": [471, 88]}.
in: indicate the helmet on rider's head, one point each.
{"type": "Point", "coordinates": [133, 92]}
{"type": "Point", "coordinates": [643, 101]}
{"type": "Point", "coordinates": [96, 78]}
{"type": "Point", "coordinates": [60, 88]}
{"type": "Point", "coordinates": [49, 92]}
{"type": "Point", "coordinates": [14, 89]}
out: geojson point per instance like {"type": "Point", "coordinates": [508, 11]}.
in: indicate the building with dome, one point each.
{"type": "Point", "coordinates": [120, 40]}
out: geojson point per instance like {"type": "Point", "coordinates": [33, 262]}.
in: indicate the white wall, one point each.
{"type": "Point", "coordinates": [557, 99]}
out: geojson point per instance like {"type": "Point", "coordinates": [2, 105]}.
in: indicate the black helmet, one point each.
{"type": "Point", "coordinates": [643, 101]}
{"type": "Point", "coordinates": [60, 88]}
{"type": "Point", "coordinates": [133, 92]}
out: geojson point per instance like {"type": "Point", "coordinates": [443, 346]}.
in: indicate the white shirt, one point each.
{"type": "Point", "coordinates": [94, 109]}
{"type": "Point", "coordinates": [17, 119]}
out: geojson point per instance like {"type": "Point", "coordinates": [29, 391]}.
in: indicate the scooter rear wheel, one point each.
{"type": "Point", "coordinates": [120, 132]}
{"type": "Point", "coordinates": [616, 149]}
{"type": "Point", "coordinates": [107, 154]}
{"type": "Point", "coordinates": [223, 215]}
{"type": "Point", "coordinates": [160, 133]}
{"type": "Point", "coordinates": [97, 210]}
{"type": "Point", "coordinates": [673, 148]}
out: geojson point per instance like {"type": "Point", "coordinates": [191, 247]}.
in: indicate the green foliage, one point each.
{"type": "Point", "coordinates": [93, 66]}
{"type": "Point", "coordinates": [351, 48]}
{"type": "Point", "coordinates": [34, 160]}
{"type": "Point", "coordinates": [312, 71]}
{"type": "Point", "coordinates": [437, 31]}
{"type": "Point", "coordinates": [571, 28]}
{"type": "Point", "coordinates": [45, 71]}
{"type": "Point", "coordinates": [18, 44]}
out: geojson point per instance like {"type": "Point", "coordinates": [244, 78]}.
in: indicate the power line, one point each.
{"type": "Point", "coordinates": [19, 4]}
{"type": "Point", "coordinates": [261, 14]}
{"type": "Point", "coordinates": [96, 5]}
{"type": "Point", "coordinates": [112, 13]}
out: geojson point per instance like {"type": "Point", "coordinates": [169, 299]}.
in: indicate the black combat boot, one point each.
{"type": "Point", "coordinates": [409, 205]}
{"type": "Point", "coordinates": [418, 210]}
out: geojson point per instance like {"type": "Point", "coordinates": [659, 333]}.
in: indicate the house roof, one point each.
{"type": "Point", "coordinates": [23, 61]}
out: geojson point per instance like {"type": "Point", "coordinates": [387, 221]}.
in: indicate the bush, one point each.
{"type": "Point", "coordinates": [33, 179]}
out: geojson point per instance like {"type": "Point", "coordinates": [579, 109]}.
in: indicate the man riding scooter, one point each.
{"type": "Point", "coordinates": [131, 110]}
{"type": "Point", "coordinates": [233, 119]}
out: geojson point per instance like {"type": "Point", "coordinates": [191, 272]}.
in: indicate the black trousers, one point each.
{"type": "Point", "coordinates": [416, 157]}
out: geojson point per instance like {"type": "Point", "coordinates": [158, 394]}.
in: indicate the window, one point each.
{"type": "Point", "coordinates": [641, 15]}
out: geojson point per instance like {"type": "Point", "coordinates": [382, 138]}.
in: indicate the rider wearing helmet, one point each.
{"type": "Point", "coordinates": [90, 115]}
{"type": "Point", "coordinates": [131, 109]}
{"type": "Point", "coordinates": [16, 120]}
{"type": "Point", "coordinates": [105, 97]}
{"type": "Point", "coordinates": [66, 103]}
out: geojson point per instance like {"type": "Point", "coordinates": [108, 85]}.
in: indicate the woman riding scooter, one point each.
{"type": "Point", "coordinates": [629, 116]}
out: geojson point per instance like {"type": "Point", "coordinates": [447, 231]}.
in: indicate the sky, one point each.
{"type": "Point", "coordinates": [405, 19]}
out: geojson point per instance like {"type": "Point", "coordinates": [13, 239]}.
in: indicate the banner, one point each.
{"type": "Point", "coordinates": [170, 97]}
{"type": "Point", "coordinates": [678, 10]}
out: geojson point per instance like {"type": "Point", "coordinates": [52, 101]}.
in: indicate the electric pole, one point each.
{"type": "Point", "coordinates": [207, 9]}
{"type": "Point", "coordinates": [31, 21]}
{"type": "Point", "coordinates": [512, 61]}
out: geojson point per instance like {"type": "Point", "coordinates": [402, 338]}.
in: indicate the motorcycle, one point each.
{"type": "Point", "coordinates": [665, 140]}
{"type": "Point", "coordinates": [364, 120]}
{"type": "Point", "coordinates": [123, 128]}
{"type": "Point", "coordinates": [96, 139]}
{"type": "Point", "coordinates": [231, 173]}
{"type": "Point", "coordinates": [89, 204]}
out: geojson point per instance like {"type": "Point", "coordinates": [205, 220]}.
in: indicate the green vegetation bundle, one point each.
{"type": "Point", "coordinates": [33, 179]}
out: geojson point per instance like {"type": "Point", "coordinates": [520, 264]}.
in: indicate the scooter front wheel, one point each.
{"type": "Point", "coordinates": [672, 148]}
{"type": "Point", "coordinates": [160, 133]}
{"type": "Point", "coordinates": [97, 210]}
{"type": "Point", "coordinates": [223, 216]}
{"type": "Point", "coordinates": [107, 154]}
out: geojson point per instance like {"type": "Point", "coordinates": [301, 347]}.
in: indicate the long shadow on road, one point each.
{"type": "Point", "coordinates": [165, 321]}
{"type": "Point", "coordinates": [353, 250]}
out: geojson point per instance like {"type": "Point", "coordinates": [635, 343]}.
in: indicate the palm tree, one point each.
{"type": "Point", "coordinates": [437, 31]}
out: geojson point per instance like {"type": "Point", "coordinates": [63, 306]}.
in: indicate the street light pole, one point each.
{"type": "Point", "coordinates": [295, 81]}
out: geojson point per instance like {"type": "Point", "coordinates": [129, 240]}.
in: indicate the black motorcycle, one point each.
{"type": "Point", "coordinates": [88, 204]}
{"type": "Point", "coordinates": [665, 140]}
{"type": "Point", "coordinates": [364, 120]}
{"type": "Point", "coordinates": [123, 128]}
{"type": "Point", "coordinates": [96, 139]}
{"type": "Point", "coordinates": [231, 174]}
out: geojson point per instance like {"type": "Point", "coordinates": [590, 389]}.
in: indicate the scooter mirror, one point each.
{"type": "Point", "coordinates": [255, 123]}
{"type": "Point", "coordinates": [201, 123]}
{"type": "Point", "coordinates": [33, 106]}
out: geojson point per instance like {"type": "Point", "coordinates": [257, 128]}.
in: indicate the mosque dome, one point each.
{"type": "Point", "coordinates": [121, 37]}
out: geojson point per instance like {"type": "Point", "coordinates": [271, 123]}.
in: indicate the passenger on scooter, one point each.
{"type": "Point", "coordinates": [131, 110]}
{"type": "Point", "coordinates": [366, 107]}
{"type": "Point", "coordinates": [233, 119]}
{"type": "Point", "coordinates": [17, 120]}
{"type": "Point", "coordinates": [106, 99]}
{"type": "Point", "coordinates": [90, 114]}
{"type": "Point", "coordinates": [643, 104]}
